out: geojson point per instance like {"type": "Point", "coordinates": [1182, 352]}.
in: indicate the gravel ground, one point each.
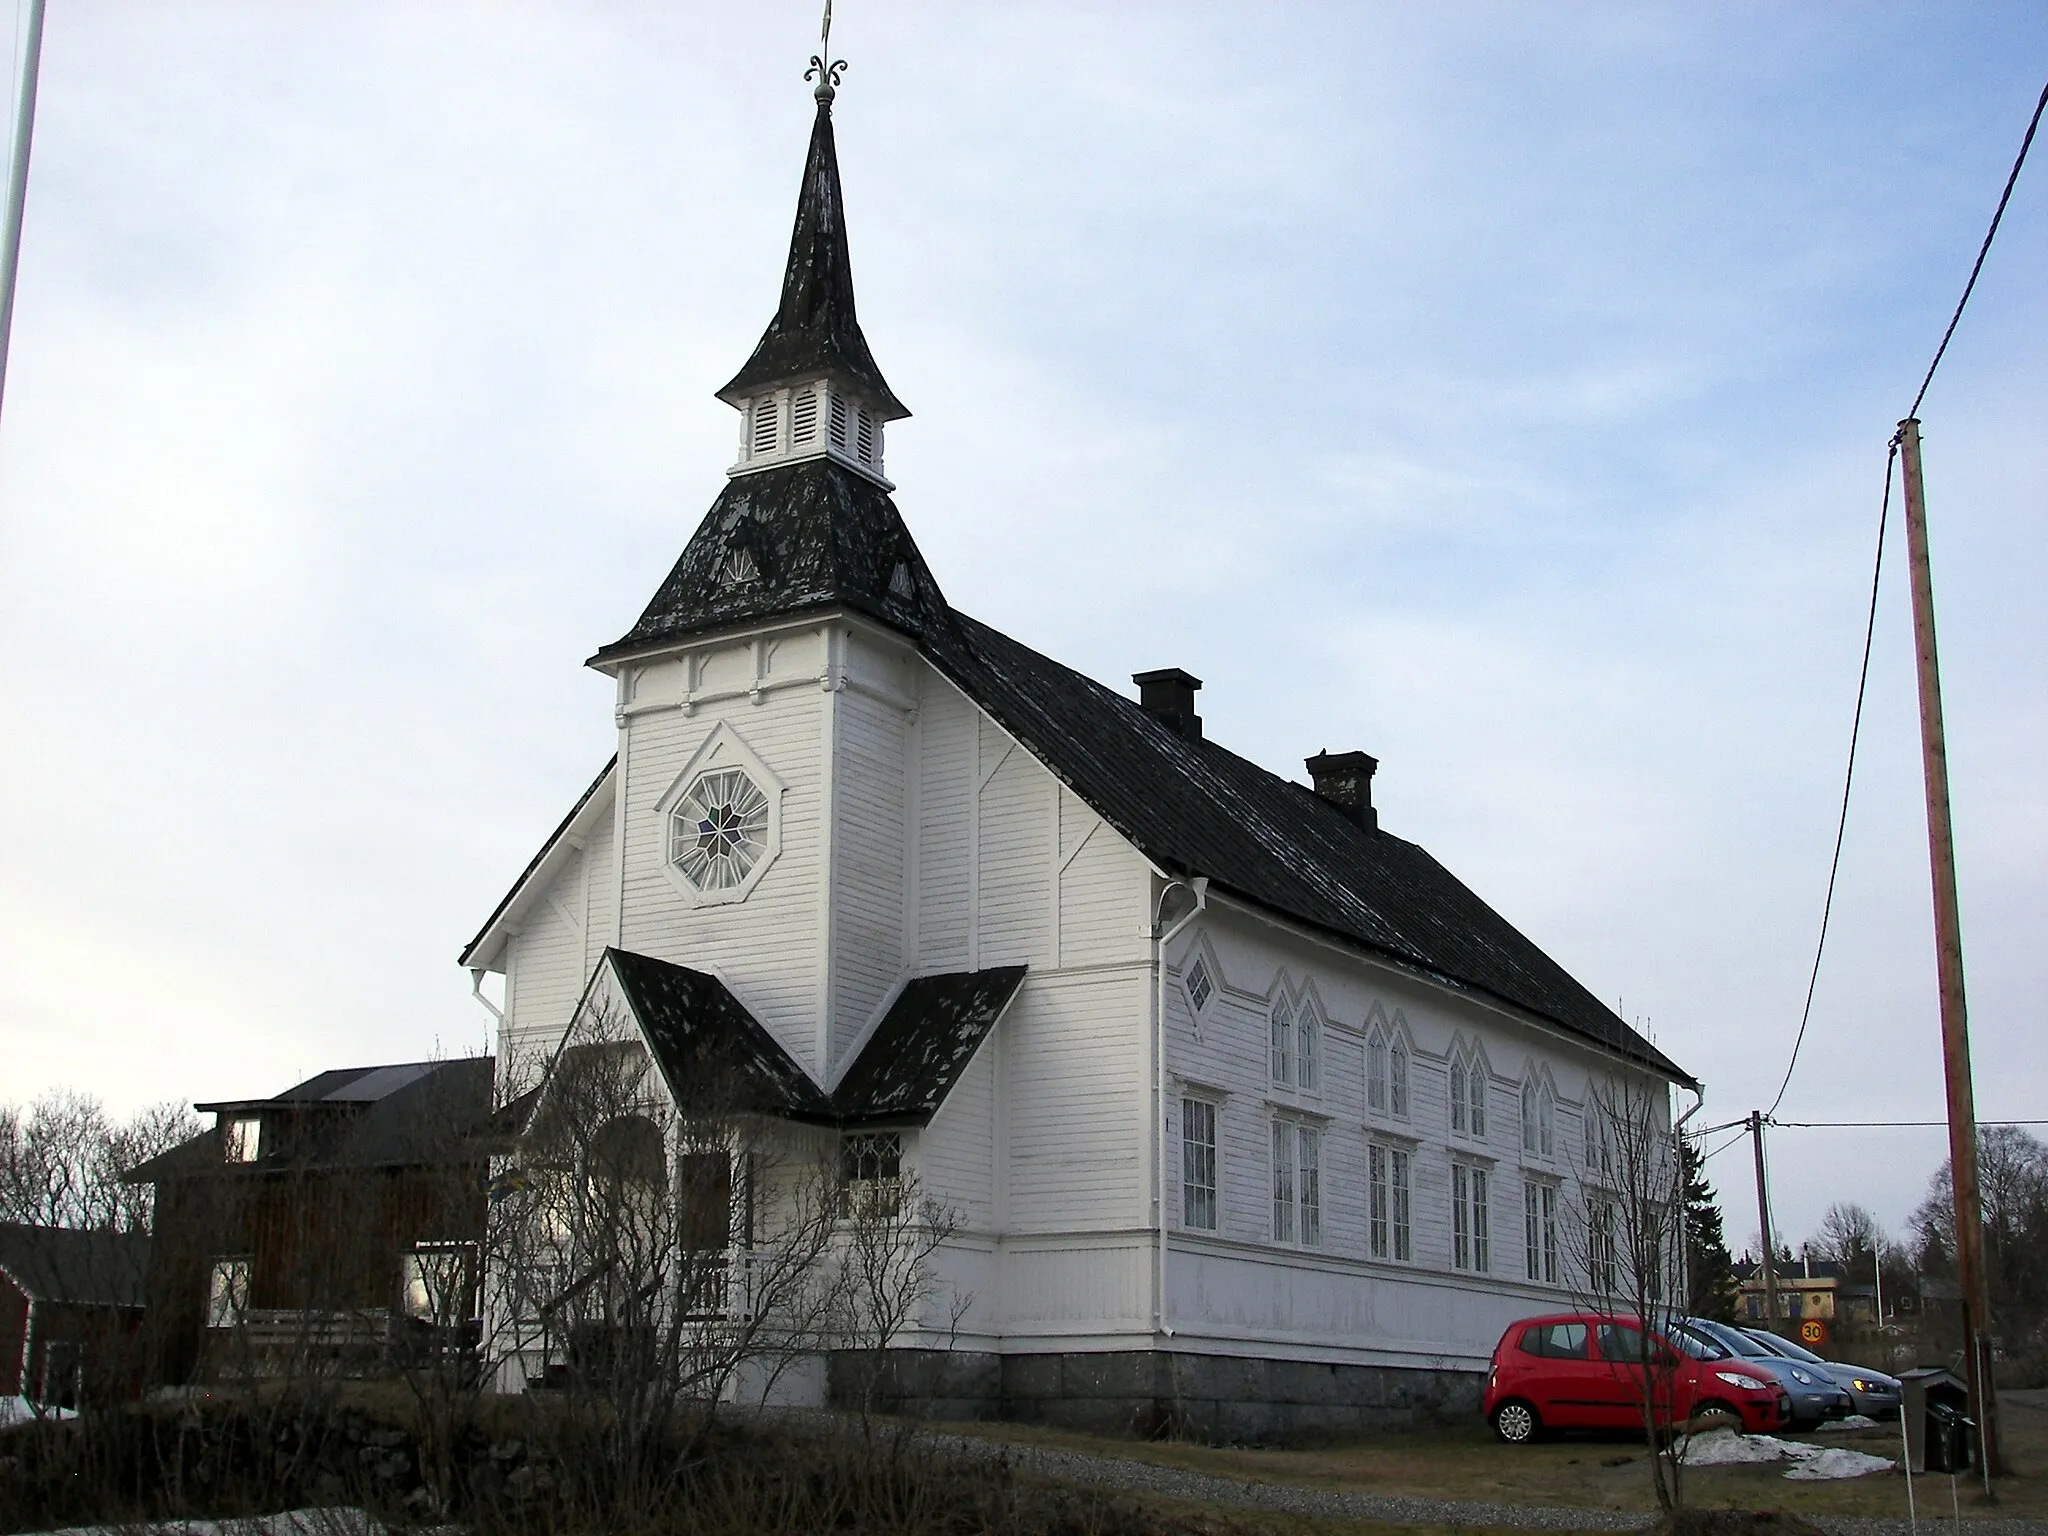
{"type": "Point", "coordinates": [1130, 1476]}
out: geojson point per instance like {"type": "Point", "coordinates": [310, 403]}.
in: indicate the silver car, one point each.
{"type": "Point", "coordinates": [1875, 1394]}
{"type": "Point", "coordinates": [1815, 1397]}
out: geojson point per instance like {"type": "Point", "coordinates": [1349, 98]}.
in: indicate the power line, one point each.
{"type": "Point", "coordinates": [1982, 251]}
{"type": "Point", "coordinates": [1877, 570]}
{"type": "Point", "coordinates": [1885, 1125]}
{"type": "Point", "coordinates": [1827, 906]}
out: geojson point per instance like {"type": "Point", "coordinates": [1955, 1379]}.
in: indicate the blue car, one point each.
{"type": "Point", "coordinates": [1815, 1396]}
{"type": "Point", "coordinates": [1874, 1394]}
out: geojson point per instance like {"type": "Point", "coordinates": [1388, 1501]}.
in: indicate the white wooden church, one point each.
{"type": "Point", "coordinates": [1244, 1103]}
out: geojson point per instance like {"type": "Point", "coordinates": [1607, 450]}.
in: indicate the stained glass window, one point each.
{"type": "Point", "coordinates": [719, 830]}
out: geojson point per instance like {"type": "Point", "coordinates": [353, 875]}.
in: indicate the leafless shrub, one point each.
{"type": "Point", "coordinates": [1625, 1253]}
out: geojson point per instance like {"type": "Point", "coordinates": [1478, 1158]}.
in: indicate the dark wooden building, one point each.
{"type": "Point", "coordinates": [335, 1227]}
{"type": "Point", "coordinates": [71, 1306]}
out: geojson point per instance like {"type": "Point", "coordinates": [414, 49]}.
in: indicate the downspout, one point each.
{"type": "Point", "coordinates": [1699, 1102]}
{"type": "Point", "coordinates": [476, 990]}
{"type": "Point", "coordinates": [1199, 886]}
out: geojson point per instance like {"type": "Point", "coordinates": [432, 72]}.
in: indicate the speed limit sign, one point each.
{"type": "Point", "coordinates": [1813, 1331]}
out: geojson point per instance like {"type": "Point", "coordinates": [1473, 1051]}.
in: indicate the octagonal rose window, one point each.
{"type": "Point", "coordinates": [718, 830]}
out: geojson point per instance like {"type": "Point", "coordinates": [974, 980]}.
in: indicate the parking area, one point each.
{"type": "Point", "coordinates": [1592, 1472]}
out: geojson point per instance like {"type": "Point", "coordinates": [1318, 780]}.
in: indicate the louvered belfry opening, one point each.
{"type": "Point", "coordinates": [1345, 780]}
{"type": "Point", "coordinates": [1169, 695]}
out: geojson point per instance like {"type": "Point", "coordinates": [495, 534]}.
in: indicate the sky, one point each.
{"type": "Point", "coordinates": [1499, 389]}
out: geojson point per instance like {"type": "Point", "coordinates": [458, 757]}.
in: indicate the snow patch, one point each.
{"type": "Point", "coordinates": [1835, 1462]}
{"type": "Point", "coordinates": [1854, 1421]}
{"type": "Point", "coordinates": [1810, 1463]}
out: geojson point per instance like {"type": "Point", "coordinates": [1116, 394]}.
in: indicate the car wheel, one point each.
{"type": "Point", "coordinates": [1516, 1422]}
{"type": "Point", "coordinates": [1716, 1415]}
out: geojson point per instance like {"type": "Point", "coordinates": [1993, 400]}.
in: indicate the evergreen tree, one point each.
{"type": "Point", "coordinates": [1709, 1273]}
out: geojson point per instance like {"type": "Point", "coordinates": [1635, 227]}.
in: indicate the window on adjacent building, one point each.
{"type": "Point", "coordinates": [1539, 1231]}
{"type": "Point", "coordinates": [227, 1293]}
{"type": "Point", "coordinates": [1388, 1232]}
{"type": "Point", "coordinates": [1198, 1164]}
{"type": "Point", "coordinates": [1297, 1183]}
{"type": "Point", "coordinates": [871, 1174]}
{"type": "Point", "coordinates": [240, 1138]}
{"type": "Point", "coordinates": [1470, 1237]}
{"type": "Point", "coordinates": [1200, 987]}
{"type": "Point", "coordinates": [439, 1283]}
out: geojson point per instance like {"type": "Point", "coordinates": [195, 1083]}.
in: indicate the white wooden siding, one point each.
{"type": "Point", "coordinates": [869, 831]}
{"type": "Point", "coordinates": [956, 1154]}
{"type": "Point", "coordinates": [1074, 1107]}
{"type": "Point", "coordinates": [770, 948]}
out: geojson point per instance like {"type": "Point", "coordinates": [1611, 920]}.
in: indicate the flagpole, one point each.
{"type": "Point", "coordinates": [17, 182]}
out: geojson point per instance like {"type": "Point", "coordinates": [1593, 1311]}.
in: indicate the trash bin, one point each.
{"type": "Point", "coordinates": [1940, 1434]}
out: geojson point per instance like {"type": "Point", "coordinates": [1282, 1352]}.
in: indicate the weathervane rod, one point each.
{"type": "Point", "coordinates": [823, 65]}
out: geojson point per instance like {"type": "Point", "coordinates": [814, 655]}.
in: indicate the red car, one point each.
{"type": "Point", "coordinates": [1585, 1370]}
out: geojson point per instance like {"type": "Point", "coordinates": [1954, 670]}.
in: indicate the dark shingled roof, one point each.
{"type": "Point", "coordinates": [814, 330]}
{"type": "Point", "coordinates": [821, 536]}
{"type": "Point", "coordinates": [706, 1043]}
{"type": "Point", "coordinates": [925, 1041]}
{"type": "Point", "coordinates": [712, 1051]}
{"type": "Point", "coordinates": [1199, 809]}
{"type": "Point", "coordinates": [56, 1264]}
{"type": "Point", "coordinates": [404, 1114]}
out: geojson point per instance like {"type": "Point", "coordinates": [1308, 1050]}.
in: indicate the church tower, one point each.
{"type": "Point", "coordinates": [768, 694]}
{"type": "Point", "coordinates": [805, 521]}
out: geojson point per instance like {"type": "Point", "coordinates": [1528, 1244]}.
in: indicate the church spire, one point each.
{"type": "Point", "coordinates": [812, 389]}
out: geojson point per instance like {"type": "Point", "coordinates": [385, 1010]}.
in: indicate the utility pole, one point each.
{"type": "Point", "coordinates": [1763, 1218]}
{"type": "Point", "coordinates": [17, 180]}
{"type": "Point", "coordinates": [1948, 952]}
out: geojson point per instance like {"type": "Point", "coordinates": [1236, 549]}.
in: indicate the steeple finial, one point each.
{"type": "Point", "coordinates": [824, 66]}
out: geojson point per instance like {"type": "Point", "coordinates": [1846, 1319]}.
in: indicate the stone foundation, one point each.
{"type": "Point", "coordinates": [1154, 1392]}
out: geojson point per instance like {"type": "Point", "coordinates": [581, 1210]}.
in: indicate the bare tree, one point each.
{"type": "Point", "coordinates": [648, 1259]}
{"type": "Point", "coordinates": [892, 1229]}
{"type": "Point", "coordinates": [1626, 1259]}
{"type": "Point", "coordinates": [62, 1160]}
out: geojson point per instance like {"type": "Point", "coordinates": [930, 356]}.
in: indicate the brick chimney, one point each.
{"type": "Point", "coordinates": [1345, 780]}
{"type": "Point", "coordinates": [1169, 696]}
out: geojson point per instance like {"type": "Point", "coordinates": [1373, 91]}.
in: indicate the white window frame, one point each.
{"type": "Point", "coordinates": [1280, 1039]}
{"type": "Point", "coordinates": [1539, 1231]}
{"type": "Point", "coordinates": [1599, 1134]}
{"type": "Point", "coordinates": [1308, 1044]}
{"type": "Point", "coordinates": [1539, 1119]}
{"type": "Point", "coordinates": [1296, 1165]}
{"type": "Point", "coordinates": [1468, 1083]}
{"type": "Point", "coordinates": [1390, 1201]}
{"type": "Point", "coordinates": [1199, 1156]}
{"type": "Point", "coordinates": [866, 1189]}
{"type": "Point", "coordinates": [1471, 1218]}
{"type": "Point", "coordinates": [1603, 1252]}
